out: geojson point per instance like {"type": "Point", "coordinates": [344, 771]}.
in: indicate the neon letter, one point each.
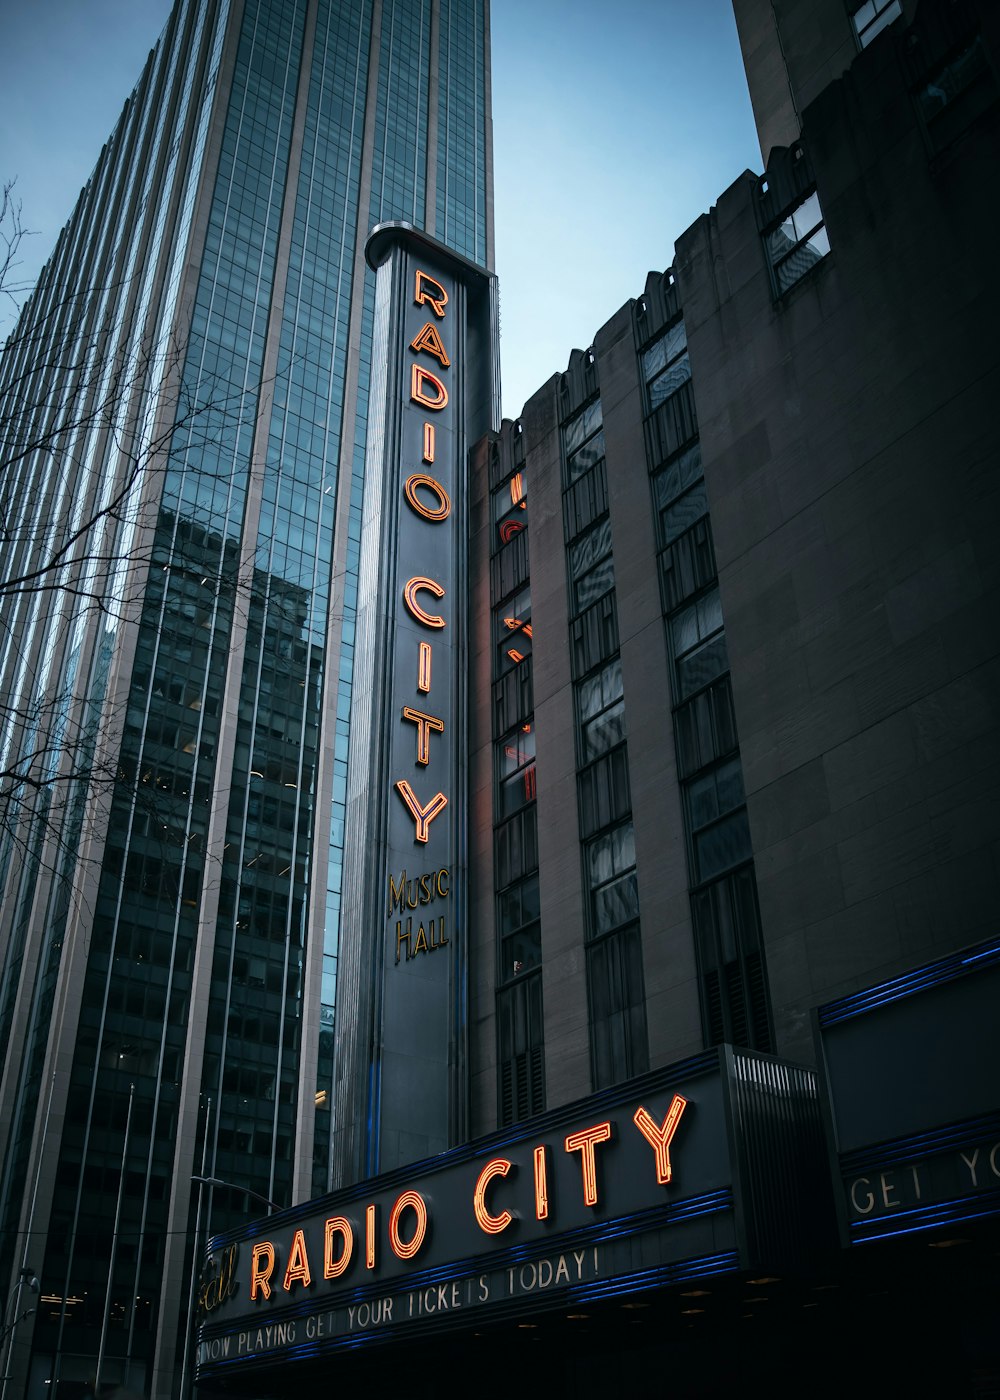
{"type": "Point", "coordinates": [418, 378]}
{"type": "Point", "coordinates": [660, 1138]}
{"type": "Point", "coordinates": [429, 290]}
{"type": "Point", "coordinates": [297, 1268]}
{"type": "Point", "coordinates": [583, 1142]}
{"type": "Point", "coordinates": [261, 1266]}
{"type": "Point", "coordinates": [414, 586]}
{"type": "Point", "coordinates": [337, 1225]}
{"type": "Point", "coordinates": [424, 668]}
{"type": "Point", "coordinates": [439, 512]}
{"type": "Point", "coordinates": [416, 1202]}
{"type": "Point", "coordinates": [424, 723]}
{"type": "Point", "coordinates": [423, 816]}
{"type": "Point", "coordinates": [541, 1184]}
{"type": "Point", "coordinates": [428, 338]}
{"type": "Point", "coordinates": [491, 1224]}
{"type": "Point", "coordinates": [370, 1237]}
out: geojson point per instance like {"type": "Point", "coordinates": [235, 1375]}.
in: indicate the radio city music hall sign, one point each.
{"type": "Point", "coordinates": [416, 899]}
{"type": "Point", "coordinates": [374, 1257]}
{"type": "Point", "coordinates": [401, 1062]}
{"type": "Point", "coordinates": [639, 1187]}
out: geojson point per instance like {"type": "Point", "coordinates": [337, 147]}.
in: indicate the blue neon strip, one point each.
{"type": "Point", "coordinates": [917, 1146]}
{"type": "Point", "coordinates": [918, 980]}
{"type": "Point", "coordinates": [919, 1219]}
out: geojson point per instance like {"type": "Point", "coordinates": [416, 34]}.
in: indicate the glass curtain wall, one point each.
{"type": "Point", "coordinates": [316, 117]}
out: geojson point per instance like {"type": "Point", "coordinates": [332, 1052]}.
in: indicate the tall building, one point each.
{"type": "Point", "coordinates": [732, 825]}
{"type": "Point", "coordinates": [184, 414]}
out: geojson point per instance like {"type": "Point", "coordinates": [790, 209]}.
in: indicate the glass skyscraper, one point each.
{"type": "Point", "coordinates": [183, 411]}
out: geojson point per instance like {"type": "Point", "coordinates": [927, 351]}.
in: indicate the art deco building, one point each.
{"type": "Point", "coordinates": [184, 411]}
{"type": "Point", "coordinates": [737, 700]}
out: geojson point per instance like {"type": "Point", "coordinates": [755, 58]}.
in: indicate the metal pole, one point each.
{"type": "Point", "coordinates": [114, 1247]}
{"type": "Point", "coordinates": [186, 1386]}
{"type": "Point", "coordinates": [31, 1222]}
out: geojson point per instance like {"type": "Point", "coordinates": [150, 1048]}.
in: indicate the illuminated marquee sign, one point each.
{"type": "Point", "coordinates": [913, 1119]}
{"type": "Point", "coordinates": [632, 1189]}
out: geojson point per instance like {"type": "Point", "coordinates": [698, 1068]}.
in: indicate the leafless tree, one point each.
{"type": "Point", "coordinates": [92, 414]}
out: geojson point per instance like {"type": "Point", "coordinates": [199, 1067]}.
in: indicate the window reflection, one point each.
{"type": "Point", "coordinates": [516, 769]}
{"type": "Point", "coordinates": [510, 508]}
{"type": "Point", "coordinates": [512, 632]}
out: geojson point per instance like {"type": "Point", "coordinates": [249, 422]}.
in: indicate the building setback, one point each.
{"type": "Point", "coordinates": [193, 370]}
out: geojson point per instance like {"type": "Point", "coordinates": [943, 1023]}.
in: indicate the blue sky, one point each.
{"type": "Point", "coordinates": [615, 126]}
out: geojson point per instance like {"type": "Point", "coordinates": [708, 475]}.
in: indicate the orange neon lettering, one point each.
{"type": "Point", "coordinates": [429, 442]}
{"type": "Point", "coordinates": [422, 816]}
{"type": "Point", "coordinates": [417, 585]}
{"type": "Point", "coordinates": [659, 1138]}
{"type": "Point", "coordinates": [297, 1268]}
{"type": "Point", "coordinates": [425, 725]}
{"type": "Point", "coordinates": [261, 1268]}
{"type": "Point", "coordinates": [541, 1183]}
{"type": "Point", "coordinates": [424, 668]}
{"type": "Point", "coordinates": [491, 1224]}
{"type": "Point", "coordinates": [370, 1237]}
{"type": "Point", "coordinates": [584, 1142]}
{"type": "Point", "coordinates": [337, 1225]}
{"type": "Point", "coordinates": [428, 338]}
{"type": "Point", "coordinates": [416, 1203]}
{"type": "Point", "coordinates": [439, 512]}
{"type": "Point", "coordinates": [517, 491]}
{"type": "Point", "coordinates": [419, 379]}
{"type": "Point", "coordinates": [428, 289]}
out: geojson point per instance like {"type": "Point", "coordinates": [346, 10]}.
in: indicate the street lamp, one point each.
{"type": "Point", "coordinates": [232, 1186]}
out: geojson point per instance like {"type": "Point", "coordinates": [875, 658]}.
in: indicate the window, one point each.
{"type": "Point", "coordinates": [617, 1008]}
{"type": "Point", "coordinates": [698, 644]}
{"type": "Point", "coordinates": [522, 1075]}
{"type": "Point", "coordinates": [594, 635]}
{"type": "Point", "coordinates": [797, 243]}
{"type": "Point", "coordinates": [717, 820]}
{"type": "Point", "coordinates": [727, 936]}
{"type": "Point", "coordinates": [602, 711]}
{"type": "Point", "coordinates": [512, 631]}
{"type": "Point", "coordinates": [591, 567]}
{"type": "Point", "coordinates": [583, 441]}
{"type": "Point", "coordinates": [687, 560]}
{"type": "Point", "coordinates": [611, 876]}
{"type": "Point", "coordinates": [956, 95]}
{"type": "Point", "coordinates": [665, 365]}
{"type": "Point", "coordinates": [604, 793]}
{"type": "Point", "coordinates": [872, 17]}
{"type": "Point", "coordinates": [705, 728]}
{"type": "Point", "coordinates": [516, 769]}
{"type": "Point", "coordinates": [520, 931]}
{"type": "Point", "coordinates": [515, 847]}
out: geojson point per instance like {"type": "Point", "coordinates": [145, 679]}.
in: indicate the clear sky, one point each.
{"type": "Point", "coordinates": [615, 126]}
